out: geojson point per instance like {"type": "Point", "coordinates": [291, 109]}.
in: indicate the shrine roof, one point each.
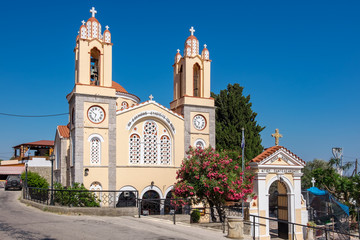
{"type": "Point", "coordinates": [63, 131]}
{"type": "Point", "coordinates": [271, 150]}
{"type": "Point", "coordinates": [48, 143]}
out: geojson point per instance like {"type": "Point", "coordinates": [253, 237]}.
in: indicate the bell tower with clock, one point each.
{"type": "Point", "coordinates": [92, 104]}
{"type": "Point", "coordinates": [192, 93]}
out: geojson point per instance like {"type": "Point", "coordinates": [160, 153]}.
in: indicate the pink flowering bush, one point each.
{"type": "Point", "coordinates": [213, 177]}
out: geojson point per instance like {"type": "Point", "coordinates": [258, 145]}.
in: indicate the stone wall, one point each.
{"type": "Point", "coordinates": [42, 171]}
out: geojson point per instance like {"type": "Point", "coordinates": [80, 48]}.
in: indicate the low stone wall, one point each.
{"type": "Point", "coordinates": [45, 172]}
{"type": "Point", "coordinates": [95, 211]}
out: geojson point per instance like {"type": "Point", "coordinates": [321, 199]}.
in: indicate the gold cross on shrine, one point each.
{"type": "Point", "coordinates": [276, 135]}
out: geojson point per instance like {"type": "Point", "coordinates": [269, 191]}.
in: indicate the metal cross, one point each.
{"type": "Point", "coordinates": [276, 135]}
{"type": "Point", "coordinates": [178, 50]}
{"type": "Point", "coordinates": [93, 11]}
{"type": "Point", "coordinates": [107, 27]}
{"type": "Point", "coordinates": [313, 181]}
{"type": "Point", "coordinates": [151, 97]}
{"type": "Point", "coordinates": [205, 45]}
{"type": "Point", "coordinates": [192, 30]}
{"type": "Point", "coordinates": [83, 22]}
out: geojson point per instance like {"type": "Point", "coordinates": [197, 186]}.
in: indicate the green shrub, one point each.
{"type": "Point", "coordinates": [77, 196]}
{"type": "Point", "coordinates": [35, 180]}
{"type": "Point", "coordinates": [195, 216]}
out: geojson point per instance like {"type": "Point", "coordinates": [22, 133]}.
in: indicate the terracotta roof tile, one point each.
{"type": "Point", "coordinates": [63, 131]}
{"type": "Point", "coordinates": [269, 151]}
{"type": "Point", "coordinates": [118, 87]}
{"type": "Point", "coordinates": [38, 143]}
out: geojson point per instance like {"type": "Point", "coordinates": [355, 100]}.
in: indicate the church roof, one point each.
{"type": "Point", "coordinates": [118, 87]}
{"type": "Point", "coordinates": [63, 131]}
{"type": "Point", "coordinates": [271, 150]}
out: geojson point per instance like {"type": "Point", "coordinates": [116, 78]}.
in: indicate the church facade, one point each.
{"type": "Point", "coordinates": [113, 141]}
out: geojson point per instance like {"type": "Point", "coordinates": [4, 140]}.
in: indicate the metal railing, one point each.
{"type": "Point", "coordinates": [81, 198]}
{"type": "Point", "coordinates": [323, 232]}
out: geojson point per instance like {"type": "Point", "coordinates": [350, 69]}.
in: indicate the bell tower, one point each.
{"type": "Point", "coordinates": [92, 107]}
{"type": "Point", "coordinates": [192, 93]}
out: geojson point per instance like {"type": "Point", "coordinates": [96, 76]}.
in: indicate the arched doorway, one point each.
{"type": "Point", "coordinates": [126, 199]}
{"type": "Point", "coordinates": [278, 209]}
{"type": "Point", "coordinates": [150, 203]}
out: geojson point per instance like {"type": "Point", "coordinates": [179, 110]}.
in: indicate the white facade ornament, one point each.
{"type": "Point", "coordinates": [313, 181]}
{"type": "Point", "coordinates": [192, 30]}
{"type": "Point", "coordinates": [151, 97]}
{"type": "Point", "coordinates": [93, 11]}
{"type": "Point", "coordinates": [107, 27]}
{"type": "Point", "coordinates": [83, 22]}
{"type": "Point", "coordinates": [205, 45]}
{"type": "Point", "coordinates": [178, 50]}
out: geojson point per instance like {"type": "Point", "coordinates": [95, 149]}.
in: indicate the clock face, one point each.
{"type": "Point", "coordinates": [199, 122]}
{"type": "Point", "coordinates": [96, 114]}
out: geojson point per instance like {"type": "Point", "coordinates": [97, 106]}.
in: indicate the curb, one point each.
{"type": "Point", "coordinates": [91, 211]}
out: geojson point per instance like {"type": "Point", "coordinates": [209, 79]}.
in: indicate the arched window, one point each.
{"type": "Point", "coordinates": [165, 150]}
{"type": "Point", "coordinates": [94, 67]}
{"type": "Point", "coordinates": [134, 149]}
{"type": "Point", "coordinates": [181, 91]}
{"type": "Point", "coordinates": [150, 142]}
{"type": "Point", "coordinates": [96, 187]}
{"type": "Point", "coordinates": [95, 150]}
{"type": "Point", "coordinates": [199, 143]}
{"type": "Point", "coordinates": [196, 78]}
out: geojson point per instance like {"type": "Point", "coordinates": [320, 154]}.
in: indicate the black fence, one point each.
{"type": "Point", "coordinates": [325, 232]}
{"type": "Point", "coordinates": [82, 198]}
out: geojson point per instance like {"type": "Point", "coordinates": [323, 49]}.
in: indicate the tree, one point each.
{"type": "Point", "coordinates": [308, 171]}
{"type": "Point", "coordinates": [212, 178]}
{"type": "Point", "coordinates": [233, 112]}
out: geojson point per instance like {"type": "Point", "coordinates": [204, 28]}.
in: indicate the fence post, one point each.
{"type": "Point", "coordinates": [174, 217]}
{"type": "Point", "coordinates": [139, 206]}
{"type": "Point", "coordinates": [326, 235]}
{"type": "Point", "coordinates": [115, 199]}
{"type": "Point", "coordinates": [254, 227]}
{"type": "Point", "coordinates": [293, 231]}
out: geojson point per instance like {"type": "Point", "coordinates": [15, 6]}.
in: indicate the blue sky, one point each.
{"type": "Point", "coordinates": [298, 60]}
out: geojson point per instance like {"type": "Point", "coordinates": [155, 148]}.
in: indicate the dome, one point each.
{"type": "Point", "coordinates": [193, 43]}
{"type": "Point", "coordinates": [92, 29]}
{"type": "Point", "coordinates": [118, 87]}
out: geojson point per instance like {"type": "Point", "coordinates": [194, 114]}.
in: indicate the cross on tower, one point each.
{"type": "Point", "coordinates": [151, 97]}
{"type": "Point", "coordinates": [276, 135]}
{"type": "Point", "coordinates": [192, 30]}
{"type": "Point", "coordinates": [178, 50]}
{"type": "Point", "coordinates": [107, 27]}
{"type": "Point", "coordinates": [83, 22]}
{"type": "Point", "coordinates": [93, 11]}
{"type": "Point", "coordinates": [205, 45]}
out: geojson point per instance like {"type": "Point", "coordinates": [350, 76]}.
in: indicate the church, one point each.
{"type": "Point", "coordinates": [113, 140]}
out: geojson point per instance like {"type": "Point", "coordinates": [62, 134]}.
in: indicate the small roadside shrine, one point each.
{"type": "Point", "coordinates": [278, 174]}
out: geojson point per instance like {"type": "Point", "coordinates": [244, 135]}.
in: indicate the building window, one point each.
{"type": "Point", "coordinates": [150, 142]}
{"type": "Point", "coordinates": [94, 67]}
{"type": "Point", "coordinates": [181, 93]}
{"type": "Point", "coordinates": [134, 149]}
{"type": "Point", "coordinates": [95, 153]}
{"type": "Point", "coordinates": [165, 154]}
{"type": "Point", "coordinates": [196, 78]}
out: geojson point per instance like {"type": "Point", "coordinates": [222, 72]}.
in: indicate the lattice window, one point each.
{"type": "Point", "coordinates": [95, 153]}
{"type": "Point", "coordinates": [94, 29]}
{"type": "Point", "coordinates": [88, 25]}
{"type": "Point", "coordinates": [134, 149]}
{"type": "Point", "coordinates": [107, 37]}
{"type": "Point", "coordinates": [165, 150]}
{"type": "Point", "coordinates": [83, 32]}
{"type": "Point", "coordinates": [150, 142]}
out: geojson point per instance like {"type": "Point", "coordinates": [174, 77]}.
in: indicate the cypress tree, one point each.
{"type": "Point", "coordinates": [233, 111]}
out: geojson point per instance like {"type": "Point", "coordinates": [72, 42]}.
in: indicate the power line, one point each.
{"type": "Point", "coordinates": [33, 116]}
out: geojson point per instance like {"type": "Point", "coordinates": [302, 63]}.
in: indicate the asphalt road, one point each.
{"type": "Point", "coordinates": [18, 221]}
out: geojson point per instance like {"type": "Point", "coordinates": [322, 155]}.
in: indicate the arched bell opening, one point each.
{"type": "Point", "coordinates": [95, 67]}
